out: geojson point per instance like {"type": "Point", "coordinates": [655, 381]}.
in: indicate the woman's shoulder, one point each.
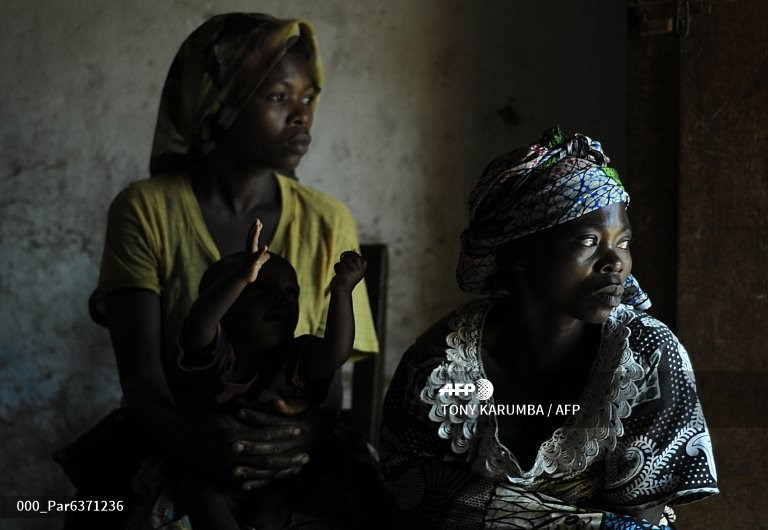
{"type": "Point", "coordinates": [459, 325]}
{"type": "Point", "coordinates": [645, 333]}
{"type": "Point", "coordinates": [164, 188]}
{"type": "Point", "coordinates": [636, 319]}
{"type": "Point", "coordinates": [156, 201]}
{"type": "Point", "coordinates": [319, 202]}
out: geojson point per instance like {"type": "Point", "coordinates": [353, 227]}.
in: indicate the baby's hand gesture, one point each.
{"type": "Point", "coordinates": [349, 271]}
{"type": "Point", "coordinates": [255, 256]}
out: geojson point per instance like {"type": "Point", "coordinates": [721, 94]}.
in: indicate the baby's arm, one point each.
{"type": "Point", "coordinates": [336, 346]}
{"type": "Point", "coordinates": [213, 303]}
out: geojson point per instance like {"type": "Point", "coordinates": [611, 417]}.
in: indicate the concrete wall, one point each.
{"type": "Point", "coordinates": [419, 96]}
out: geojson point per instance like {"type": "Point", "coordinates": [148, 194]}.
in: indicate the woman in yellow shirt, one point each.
{"type": "Point", "coordinates": [233, 124]}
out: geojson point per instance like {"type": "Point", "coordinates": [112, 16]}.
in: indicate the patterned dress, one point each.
{"type": "Point", "coordinates": [638, 438]}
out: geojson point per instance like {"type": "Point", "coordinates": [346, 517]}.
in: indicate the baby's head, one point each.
{"type": "Point", "coordinates": [267, 311]}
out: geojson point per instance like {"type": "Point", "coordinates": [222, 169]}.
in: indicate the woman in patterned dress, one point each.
{"type": "Point", "coordinates": [555, 401]}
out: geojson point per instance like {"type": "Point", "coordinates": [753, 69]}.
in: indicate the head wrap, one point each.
{"type": "Point", "coordinates": [533, 188]}
{"type": "Point", "coordinates": [213, 76]}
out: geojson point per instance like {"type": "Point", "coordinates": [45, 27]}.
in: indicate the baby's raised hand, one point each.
{"type": "Point", "coordinates": [349, 271]}
{"type": "Point", "coordinates": [255, 256]}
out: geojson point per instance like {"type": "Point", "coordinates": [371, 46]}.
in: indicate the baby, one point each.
{"type": "Point", "coordinates": [239, 350]}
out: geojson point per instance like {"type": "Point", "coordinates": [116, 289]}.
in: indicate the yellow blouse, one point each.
{"type": "Point", "coordinates": [157, 240]}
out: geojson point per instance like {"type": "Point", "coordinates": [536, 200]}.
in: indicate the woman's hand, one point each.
{"type": "Point", "coordinates": [255, 448]}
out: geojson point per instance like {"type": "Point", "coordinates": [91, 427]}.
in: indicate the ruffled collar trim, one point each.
{"type": "Point", "coordinates": [584, 436]}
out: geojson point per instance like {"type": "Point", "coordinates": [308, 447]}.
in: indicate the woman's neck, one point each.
{"type": "Point", "coordinates": [544, 342]}
{"type": "Point", "coordinates": [231, 199]}
{"type": "Point", "coordinates": [238, 190]}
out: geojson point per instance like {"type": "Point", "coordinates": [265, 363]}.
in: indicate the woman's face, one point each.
{"type": "Point", "coordinates": [272, 130]}
{"type": "Point", "coordinates": [577, 269]}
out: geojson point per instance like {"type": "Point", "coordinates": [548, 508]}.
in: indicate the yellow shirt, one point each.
{"type": "Point", "coordinates": [157, 240]}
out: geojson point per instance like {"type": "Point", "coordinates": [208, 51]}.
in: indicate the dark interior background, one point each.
{"type": "Point", "coordinates": [698, 172]}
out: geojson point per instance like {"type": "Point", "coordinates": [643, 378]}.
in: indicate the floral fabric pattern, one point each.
{"type": "Point", "coordinates": [639, 438]}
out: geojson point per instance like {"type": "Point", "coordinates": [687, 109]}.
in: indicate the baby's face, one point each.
{"type": "Point", "coordinates": [271, 304]}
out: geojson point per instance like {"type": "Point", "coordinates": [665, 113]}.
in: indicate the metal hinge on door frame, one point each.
{"type": "Point", "coordinates": [653, 17]}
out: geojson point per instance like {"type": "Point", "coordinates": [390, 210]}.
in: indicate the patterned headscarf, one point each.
{"type": "Point", "coordinates": [528, 190]}
{"type": "Point", "coordinates": [213, 76]}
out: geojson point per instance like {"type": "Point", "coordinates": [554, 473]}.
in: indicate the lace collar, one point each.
{"type": "Point", "coordinates": [572, 447]}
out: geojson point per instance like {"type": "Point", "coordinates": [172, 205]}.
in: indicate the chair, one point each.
{"type": "Point", "coordinates": [368, 374]}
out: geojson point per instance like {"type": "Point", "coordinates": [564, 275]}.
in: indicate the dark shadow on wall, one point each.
{"type": "Point", "coordinates": [699, 167]}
